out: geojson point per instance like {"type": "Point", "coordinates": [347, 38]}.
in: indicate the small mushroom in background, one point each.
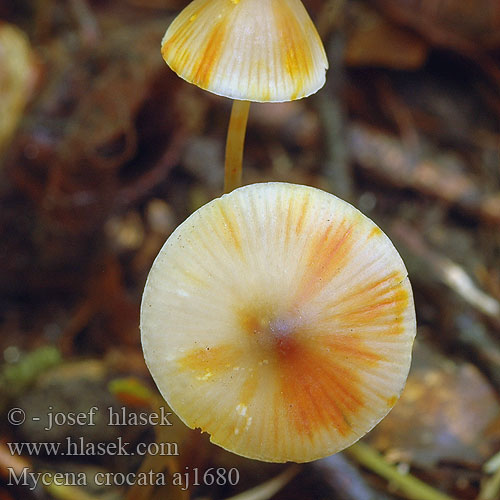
{"type": "Point", "coordinates": [247, 50]}
{"type": "Point", "coordinates": [280, 320]}
{"type": "Point", "coordinates": [18, 76]}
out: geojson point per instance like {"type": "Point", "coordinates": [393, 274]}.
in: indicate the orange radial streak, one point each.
{"type": "Point", "coordinates": [318, 392]}
{"type": "Point", "coordinates": [209, 362]}
{"type": "Point", "coordinates": [295, 49]}
{"type": "Point", "coordinates": [210, 57]}
{"type": "Point", "coordinates": [230, 230]}
{"type": "Point", "coordinates": [370, 290]}
{"type": "Point", "coordinates": [351, 347]}
{"type": "Point", "coordinates": [328, 252]}
{"type": "Point", "coordinates": [389, 308]}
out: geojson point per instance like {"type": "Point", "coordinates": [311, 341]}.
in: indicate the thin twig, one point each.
{"type": "Point", "coordinates": [269, 488]}
{"type": "Point", "coordinates": [409, 485]}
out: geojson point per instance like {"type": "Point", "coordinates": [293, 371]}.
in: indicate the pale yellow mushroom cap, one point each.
{"type": "Point", "coordinates": [253, 50]}
{"type": "Point", "coordinates": [280, 320]}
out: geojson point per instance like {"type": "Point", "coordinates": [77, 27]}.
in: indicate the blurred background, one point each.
{"type": "Point", "coordinates": [104, 151]}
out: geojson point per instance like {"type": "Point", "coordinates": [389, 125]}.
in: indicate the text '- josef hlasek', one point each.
{"type": "Point", "coordinates": [115, 417]}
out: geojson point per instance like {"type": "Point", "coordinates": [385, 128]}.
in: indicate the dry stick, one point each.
{"type": "Point", "coordinates": [269, 488]}
{"type": "Point", "coordinates": [407, 484]}
{"type": "Point", "coordinates": [490, 489]}
{"type": "Point", "coordinates": [234, 145]}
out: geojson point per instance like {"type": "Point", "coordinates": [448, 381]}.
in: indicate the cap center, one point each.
{"type": "Point", "coordinates": [270, 332]}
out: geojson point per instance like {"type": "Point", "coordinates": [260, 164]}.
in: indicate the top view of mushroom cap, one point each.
{"type": "Point", "coordinates": [280, 320]}
{"type": "Point", "coordinates": [255, 50]}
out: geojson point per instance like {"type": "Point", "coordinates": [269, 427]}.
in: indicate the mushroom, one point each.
{"type": "Point", "coordinates": [247, 50]}
{"type": "Point", "coordinates": [280, 320]}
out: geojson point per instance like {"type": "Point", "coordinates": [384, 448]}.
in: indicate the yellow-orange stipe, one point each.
{"type": "Point", "coordinates": [256, 50]}
{"type": "Point", "coordinates": [234, 145]}
{"type": "Point", "coordinates": [280, 320]}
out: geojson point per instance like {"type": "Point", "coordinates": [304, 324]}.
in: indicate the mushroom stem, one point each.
{"type": "Point", "coordinates": [234, 145]}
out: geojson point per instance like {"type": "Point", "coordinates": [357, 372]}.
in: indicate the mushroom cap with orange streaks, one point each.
{"type": "Point", "coordinates": [280, 320]}
{"type": "Point", "coordinates": [252, 50]}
